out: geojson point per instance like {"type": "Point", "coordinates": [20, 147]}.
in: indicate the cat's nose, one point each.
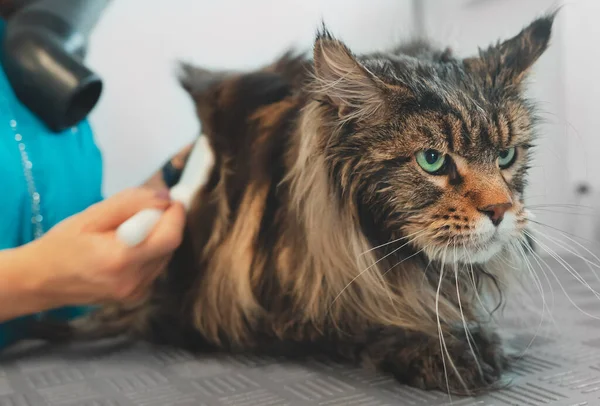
{"type": "Point", "coordinates": [496, 212]}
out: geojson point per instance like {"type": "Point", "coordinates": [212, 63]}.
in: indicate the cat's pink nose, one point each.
{"type": "Point", "coordinates": [496, 212]}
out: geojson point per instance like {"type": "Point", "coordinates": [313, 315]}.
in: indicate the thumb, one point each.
{"type": "Point", "coordinates": [112, 212]}
{"type": "Point", "coordinates": [167, 234]}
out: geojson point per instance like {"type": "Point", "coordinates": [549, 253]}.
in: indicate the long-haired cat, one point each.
{"type": "Point", "coordinates": [360, 206]}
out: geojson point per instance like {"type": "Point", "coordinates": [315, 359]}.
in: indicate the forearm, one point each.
{"type": "Point", "coordinates": [19, 287]}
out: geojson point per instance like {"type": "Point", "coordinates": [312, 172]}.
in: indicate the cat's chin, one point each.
{"type": "Point", "coordinates": [469, 255]}
{"type": "Point", "coordinates": [479, 252]}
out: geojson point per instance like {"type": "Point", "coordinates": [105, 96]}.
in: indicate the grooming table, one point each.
{"type": "Point", "coordinates": [562, 367]}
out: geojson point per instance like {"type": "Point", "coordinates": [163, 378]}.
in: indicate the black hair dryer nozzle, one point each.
{"type": "Point", "coordinates": [44, 46]}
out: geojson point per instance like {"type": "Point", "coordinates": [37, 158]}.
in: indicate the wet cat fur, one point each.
{"type": "Point", "coordinates": [287, 248]}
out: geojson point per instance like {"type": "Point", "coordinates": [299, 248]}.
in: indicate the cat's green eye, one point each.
{"type": "Point", "coordinates": [506, 157]}
{"type": "Point", "coordinates": [431, 161]}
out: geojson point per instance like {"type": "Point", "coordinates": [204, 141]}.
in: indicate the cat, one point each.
{"type": "Point", "coordinates": [359, 206]}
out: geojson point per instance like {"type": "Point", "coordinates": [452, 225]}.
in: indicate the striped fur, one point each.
{"type": "Point", "coordinates": [287, 247]}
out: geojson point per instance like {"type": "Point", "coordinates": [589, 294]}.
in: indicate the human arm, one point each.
{"type": "Point", "coordinates": [81, 262]}
{"type": "Point", "coordinates": [18, 291]}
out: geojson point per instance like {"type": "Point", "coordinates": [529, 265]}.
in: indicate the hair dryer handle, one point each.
{"type": "Point", "coordinates": [135, 230]}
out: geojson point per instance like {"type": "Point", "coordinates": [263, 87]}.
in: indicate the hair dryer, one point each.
{"type": "Point", "coordinates": [42, 54]}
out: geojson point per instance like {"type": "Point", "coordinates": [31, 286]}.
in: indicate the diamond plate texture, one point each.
{"type": "Point", "coordinates": [560, 367]}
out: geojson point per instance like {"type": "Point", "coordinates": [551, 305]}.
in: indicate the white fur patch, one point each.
{"type": "Point", "coordinates": [488, 241]}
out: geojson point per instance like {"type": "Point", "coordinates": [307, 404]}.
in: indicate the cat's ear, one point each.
{"type": "Point", "coordinates": [203, 86]}
{"type": "Point", "coordinates": [344, 83]}
{"type": "Point", "coordinates": [510, 61]}
{"type": "Point", "coordinates": [198, 82]}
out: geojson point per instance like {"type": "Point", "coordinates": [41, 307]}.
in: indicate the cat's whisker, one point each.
{"type": "Point", "coordinates": [566, 265]}
{"type": "Point", "coordinates": [429, 262]}
{"type": "Point", "coordinates": [564, 233]}
{"type": "Point", "coordinates": [475, 287]}
{"type": "Point", "coordinates": [562, 212]}
{"type": "Point", "coordinates": [564, 205]}
{"type": "Point", "coordinates": [573, 251]}
{"type": "Point", "coordinates": [443, 344]}
{"type": "Point", "coordinates": [417, 233]}
{"type": "Point", "coordinates": [370, 267]}
{"type": "Point", "coordinates": [485, 307]}
{"type": "Point", "coordinates": [537, 259]}
{"type": "Point", "coordinates": [443, 347]}
{"type": "Point", "coordinates": [505, 262]}
{"type": "Point", "coordinates": [462, 315]}
{"type": "Point", "coordinates": [537, 280]}
{"type": "Point", "coordinates": [549, 268]}
{"type": "Point", "coordinates": [553, 297]}
{"type": "Point", "coordinates": [568, 247]}
{"type": "Point", "coordinates": [405, 259]}
{"type": "Point", "coordinates": [544, 305]}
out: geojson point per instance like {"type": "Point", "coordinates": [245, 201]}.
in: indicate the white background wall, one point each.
{"type": "Point", "coordinates": [144, 117]}
{"type": "Point", "coordinates": [582, 32]}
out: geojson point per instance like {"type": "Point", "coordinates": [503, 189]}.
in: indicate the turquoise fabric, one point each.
{"type": "Point", "coordinates": [67, 171]}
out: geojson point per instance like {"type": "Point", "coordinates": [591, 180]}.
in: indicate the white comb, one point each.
{"type": "Point", "coordinates": [195, 173]}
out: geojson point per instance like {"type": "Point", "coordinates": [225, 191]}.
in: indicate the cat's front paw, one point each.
{"type": "Point", "coordinates": [470, 365]}
{"type": "Point", "coordinates": [456, 365]}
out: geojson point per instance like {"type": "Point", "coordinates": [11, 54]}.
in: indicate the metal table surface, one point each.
{"type": "Point", "coordinates": [561, 367]}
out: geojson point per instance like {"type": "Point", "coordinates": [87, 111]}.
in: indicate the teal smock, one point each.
{"type": "Point", "coordinates": [67, 172]}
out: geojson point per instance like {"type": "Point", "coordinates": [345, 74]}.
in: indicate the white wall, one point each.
{"type": "Point", "coordinates": [582, 32]}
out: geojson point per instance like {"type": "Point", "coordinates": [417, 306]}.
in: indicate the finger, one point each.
{"type": "Point", "coordinates": [112, 212]}
{"type": "Point", "coordinates": [166, 236]}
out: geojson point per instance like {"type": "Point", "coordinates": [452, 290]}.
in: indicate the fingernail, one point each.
{"type": "Point", "coordinates": [163, 194]}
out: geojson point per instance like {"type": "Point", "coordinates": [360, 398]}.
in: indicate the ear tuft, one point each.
{"type": "Point", "coordinates": [530, 43]}
{"type": "Point", "coordinates": [511, 60]}
{"type": "Point", "coordinates": [541, 29]}
{"type": "Point", "coordinates": [323, 33]}
{"type": "Point", "coordinates": [343, 81]}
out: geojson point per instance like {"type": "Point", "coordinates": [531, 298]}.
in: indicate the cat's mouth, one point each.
{"type": "Point", "coordinates": [484, 241]}
{"type": "Point", "coordinates": [490, 240]}
{"type": "Point", "coordinates": [477, 249]}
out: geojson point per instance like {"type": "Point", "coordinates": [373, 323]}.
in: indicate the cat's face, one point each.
{"type": "Point", "coordinates": [455, 176]}
{"type": "Point", "coordinates": [434, 151]}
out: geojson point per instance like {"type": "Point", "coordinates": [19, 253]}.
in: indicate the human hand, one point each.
{"type": "Point", "coordinates": [81, 261]}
